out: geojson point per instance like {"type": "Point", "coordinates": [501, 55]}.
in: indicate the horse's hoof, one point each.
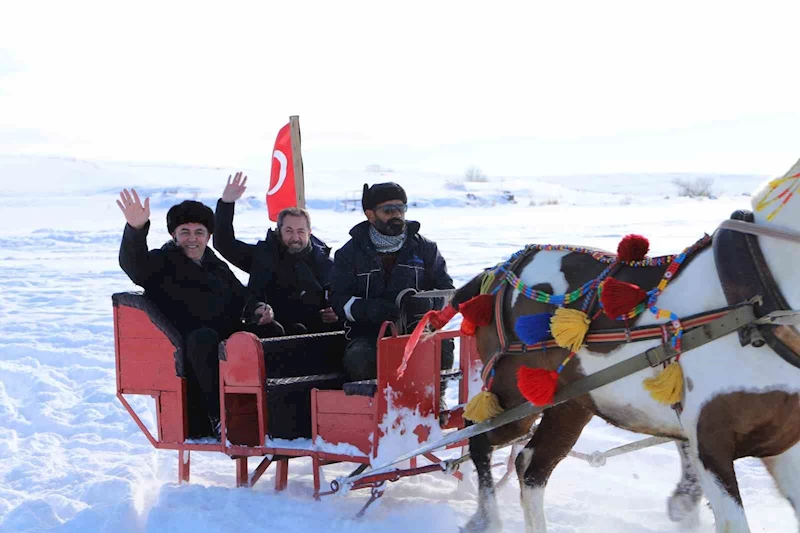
{"type": "Point", "coordinates": [682, 507]}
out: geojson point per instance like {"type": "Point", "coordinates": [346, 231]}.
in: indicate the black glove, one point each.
{"type": "Point", "coordinates": [373, 310]}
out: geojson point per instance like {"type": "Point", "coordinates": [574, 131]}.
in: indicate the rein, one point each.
{"type": "Point", "coordinates": [760, 231]}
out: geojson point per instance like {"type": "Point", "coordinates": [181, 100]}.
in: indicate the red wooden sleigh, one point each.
{"type": "Point", "coordinates": [349, 422]}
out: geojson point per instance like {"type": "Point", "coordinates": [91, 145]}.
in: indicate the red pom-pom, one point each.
{"type": "Point", "coordinates": [467, 327]}
{"type": "Point", "coordinates": [633, 248]}
{"type": "Point", "coordinates": [478, 310]}
{"type": "Point", "coordinates": [619, 297]}
{"type": "Point", "coordinates": [537, 385]}
{"type": "Point", "coordinates": [439, 319]}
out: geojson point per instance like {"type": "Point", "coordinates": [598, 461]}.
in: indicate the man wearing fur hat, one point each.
{"type": "Point", "coordinates": [376, 270]}
{"type": "Point", "coordinates": [196, 291]}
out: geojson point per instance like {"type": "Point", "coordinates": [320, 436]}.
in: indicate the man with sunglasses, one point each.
{"type": "Point", "coordinates": [376, 272]}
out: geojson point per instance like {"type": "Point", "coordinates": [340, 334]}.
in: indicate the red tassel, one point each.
{"type": "Point", "coordinates": [537, 385]}
{"type": "Point", "coordinates": [439, 319]}
{"type": "Point", "coordinates": [478, 310]}
{"type": "Point", "coordinates": [467, 328]}
{"type": "Point", "coordinates": [618, 297]}
{"type": "Point", "coordinates": [633, 248]}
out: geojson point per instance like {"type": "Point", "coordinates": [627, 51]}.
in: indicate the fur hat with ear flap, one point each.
{"type": "Point", "coordinates": [190, 211]}
{"type": "Point", "coordinates": [381, 192]}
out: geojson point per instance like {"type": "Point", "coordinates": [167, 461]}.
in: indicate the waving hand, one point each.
{"type": "Point", "coordinates": [135, 213]}
{"type": "Point", "coordinates": [234, 189]}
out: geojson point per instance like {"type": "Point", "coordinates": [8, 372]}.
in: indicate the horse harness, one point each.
{"type": "Point", "coordinates": [700, 329]}
{"type": "Point", "coordinates": [744, 275]}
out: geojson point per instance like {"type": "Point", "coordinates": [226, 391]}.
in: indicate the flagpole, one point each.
{"type": "Point", "coordinates": [297, 161]}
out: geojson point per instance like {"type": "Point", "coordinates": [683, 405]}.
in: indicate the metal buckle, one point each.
{"type": "Point", "coordinates": [653, 355]}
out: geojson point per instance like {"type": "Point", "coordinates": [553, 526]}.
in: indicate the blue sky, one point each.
{"type": "Point", "coordinates": [518, 88]}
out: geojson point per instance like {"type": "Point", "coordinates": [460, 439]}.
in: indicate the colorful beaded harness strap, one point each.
{"type": "Point", "coordinates": [587, 292]}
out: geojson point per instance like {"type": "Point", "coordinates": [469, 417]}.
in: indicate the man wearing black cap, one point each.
{"type": "Point", "coordinates": [374, 272]}
{"type": "Point", "coordinates": [196, 291]}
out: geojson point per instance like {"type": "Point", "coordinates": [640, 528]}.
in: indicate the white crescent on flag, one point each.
{"type": "Point", "coordinates": [281, 157]}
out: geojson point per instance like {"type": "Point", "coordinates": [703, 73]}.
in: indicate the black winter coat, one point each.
{"type": "Point", "coordinates": [358, 272]}
{"type": "Point", "coordinates": [192, 296]}
{"type": "Point", "coordinates": [293, 284]}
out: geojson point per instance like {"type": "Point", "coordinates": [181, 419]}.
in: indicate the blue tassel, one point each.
{"type": "Point", "coordinates": [533, 329]}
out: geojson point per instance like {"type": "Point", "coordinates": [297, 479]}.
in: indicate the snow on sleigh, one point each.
{"type": "Point", "coordinates": [283, 398]}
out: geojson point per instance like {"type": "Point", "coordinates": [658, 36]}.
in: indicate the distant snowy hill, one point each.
{"type": "Point", "coordinates": [341, 189]}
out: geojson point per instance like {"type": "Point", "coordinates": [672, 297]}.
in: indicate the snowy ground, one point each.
{"type": "Point", "coordinates": [72, 459]}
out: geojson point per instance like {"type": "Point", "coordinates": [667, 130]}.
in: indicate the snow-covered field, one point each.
{"type": "Point", "coordinates": [72, 459]}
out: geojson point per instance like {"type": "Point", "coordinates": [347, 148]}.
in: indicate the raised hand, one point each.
{"type": "Point", "coordinates": [135, 213]}
{"type": "Point", "coordinates": [234, 189]}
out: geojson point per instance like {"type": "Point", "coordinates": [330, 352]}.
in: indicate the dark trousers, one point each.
{"type": "Point", "coordinates": [361, 358]}
{"type": "Point", "coordinates": [202, 374]}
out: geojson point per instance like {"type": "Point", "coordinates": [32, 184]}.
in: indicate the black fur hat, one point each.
{"type": "Point", "coordinates": [190, 211]}
{"type": "Point", "coordinates": [382, 192]}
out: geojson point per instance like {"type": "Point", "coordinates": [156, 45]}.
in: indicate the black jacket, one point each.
{"type": "Point", "coordinates": [192, 296]}
{"type": "Point", "coordinates": [293, 284]}
{"type": "Point", "coordinates": [359, 272]}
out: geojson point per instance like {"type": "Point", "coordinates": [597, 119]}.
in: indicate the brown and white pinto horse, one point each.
{"type": "Point", "coordinates": [738, 401]}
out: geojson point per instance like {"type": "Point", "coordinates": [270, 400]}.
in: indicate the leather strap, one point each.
{"type": "Point", "coordinates": [761, 231]}
{"type": "Point", "coordinates": [743, 273]}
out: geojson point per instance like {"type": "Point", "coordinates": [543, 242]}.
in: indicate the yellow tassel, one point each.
{"type": "Point", "coordinates": [569, 327]}
{"type": "Point", "coordinates": [483, 407]}
{"type": "Point", "coordinates": [486, 282]}
{"type": "Point", "coordinates": [667, 387]}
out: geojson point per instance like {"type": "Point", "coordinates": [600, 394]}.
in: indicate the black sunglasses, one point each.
{"type": "Point", "coordinates": [392, 208]}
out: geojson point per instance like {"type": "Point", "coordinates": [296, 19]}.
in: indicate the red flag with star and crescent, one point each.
{"type": "Point", "coordinates": [282, 192]}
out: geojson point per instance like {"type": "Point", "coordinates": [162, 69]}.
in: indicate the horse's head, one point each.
{"type": "Point", "coordinates": [775, 201]}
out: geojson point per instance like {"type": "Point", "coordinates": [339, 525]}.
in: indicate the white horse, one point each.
{"type": "Point", "coordinates": [738, 401]}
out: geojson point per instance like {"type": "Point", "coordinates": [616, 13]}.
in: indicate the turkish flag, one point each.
{"type": "Point", "coordinates": [282, 192]}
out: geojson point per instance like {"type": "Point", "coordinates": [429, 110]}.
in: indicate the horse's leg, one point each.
{"type": "Point", "coordinates": [554, 438]}
{"type": "Point", "coordinates": [715, 445]}
{"type": "Point", "coordinates": [487, 517]}
{"type": "Point", "coordinates": [785, 470]}
{"type": "Point", "coordinates": [685, 498]}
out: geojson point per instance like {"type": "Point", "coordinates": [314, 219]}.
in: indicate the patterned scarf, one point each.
{"type": "Point", "coordinates": [386, 244]}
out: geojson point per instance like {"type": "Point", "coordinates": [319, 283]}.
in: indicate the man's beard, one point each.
{"type": "Point", "coordinates": [296, 247]}
{"type": "Point", "coordinates": [393, 227]}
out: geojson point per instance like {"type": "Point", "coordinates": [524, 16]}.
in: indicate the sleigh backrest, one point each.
{"type": "Point", "coordinates": [149, 361]}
